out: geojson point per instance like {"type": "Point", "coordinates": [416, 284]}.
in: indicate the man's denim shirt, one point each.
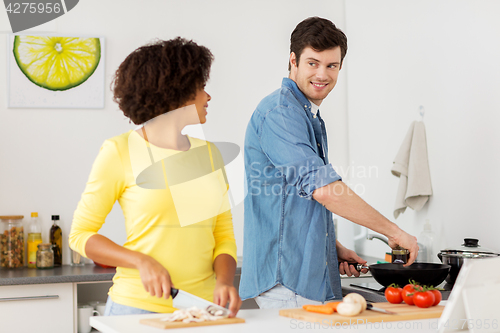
{"type": "Point", "coordinates": [289, 238]}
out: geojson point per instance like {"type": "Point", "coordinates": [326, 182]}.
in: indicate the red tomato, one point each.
{"type": "Point", "coordinates": [393, 295]}
{"type": "Point", "coordinates": [408, 299]}
{"type": "Point", "coordinates": [408, 289]}
{"type": "Point", "coordinates": [423, 299]}
{"type": "Point", "coordinates": [437, 295]}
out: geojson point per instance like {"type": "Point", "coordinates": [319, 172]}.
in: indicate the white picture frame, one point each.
{"type": "Point", "coordinates": [22, 93]}
{"type": "Point", "coordinates": [473, 303]}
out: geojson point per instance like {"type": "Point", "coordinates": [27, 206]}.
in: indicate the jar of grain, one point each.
{"type": "Point", "coordinates": [11, 241]}
{"type": "Point", "coordinates": [44, 256]}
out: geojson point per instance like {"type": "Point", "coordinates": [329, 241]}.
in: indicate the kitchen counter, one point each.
{"type": "Point", "coordinates": [63, 274]}
{"type": "Point", "coordinates": [257, 321]}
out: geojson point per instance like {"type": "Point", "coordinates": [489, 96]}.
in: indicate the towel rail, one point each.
{"type": "Point", "coordinates": [421, 112]}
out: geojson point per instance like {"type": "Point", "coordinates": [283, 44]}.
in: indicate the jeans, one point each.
{"type": "Point", "coordinates": [280, 297]}
{"type": "Point", "coordinates": [115, 309]}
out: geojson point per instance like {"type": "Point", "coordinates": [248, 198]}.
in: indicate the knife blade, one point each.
{"type": "Point", "coordinates": [369, 306]}
{"type": "Point", "coordinates": [184, 300]}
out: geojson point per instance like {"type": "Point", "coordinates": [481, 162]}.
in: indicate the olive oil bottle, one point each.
{"type": "Point", "coordinates": [34, 238]}
{"type": "Point", "coordinates": [56, 240]}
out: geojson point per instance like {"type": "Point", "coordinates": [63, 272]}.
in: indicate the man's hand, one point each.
{"type": "Point", "coordinates": [155, 277]}
{"type": "Point", "coordinates": [405, 241]}
{"type": "Point", "coordinates": [345, 256]}
{"type": "Point", "coordinates": [224, 293]}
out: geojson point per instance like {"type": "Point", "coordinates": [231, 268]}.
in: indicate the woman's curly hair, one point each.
{"type": "Point", "coordinates": [160, 77]}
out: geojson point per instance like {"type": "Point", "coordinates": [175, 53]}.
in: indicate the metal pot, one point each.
{"type": "Point", "coordinates": [469, 250]}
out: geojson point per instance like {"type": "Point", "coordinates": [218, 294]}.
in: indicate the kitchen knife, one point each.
{"type": "Point", "coordinates": [369, 306]}
{"type": "Point", "coordinates": [185, 300]}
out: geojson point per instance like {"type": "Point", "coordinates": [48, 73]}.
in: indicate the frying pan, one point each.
{"type": "Point", "coordinates": [425, 273]}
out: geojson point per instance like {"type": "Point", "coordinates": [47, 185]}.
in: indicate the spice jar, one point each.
{"type": "Point", "coordinates": [12, 241]}
{"type": "Point", "coordinates": [44, 256]}
{"type": "Point", "coordinates": [400, 255]}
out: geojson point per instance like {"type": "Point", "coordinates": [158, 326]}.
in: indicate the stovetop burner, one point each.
{"type": "Point", "coordinates": [372, 286]}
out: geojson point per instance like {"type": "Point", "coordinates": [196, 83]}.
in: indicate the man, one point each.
{"type": "Point", "coordinates": [290, 252]}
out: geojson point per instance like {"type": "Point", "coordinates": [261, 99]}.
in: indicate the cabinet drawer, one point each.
{"type": "Point", "coordinates": [40, 307]}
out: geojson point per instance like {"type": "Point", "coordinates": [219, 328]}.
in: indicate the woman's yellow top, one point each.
{"type": "Point", "coordinates": [176, 210]}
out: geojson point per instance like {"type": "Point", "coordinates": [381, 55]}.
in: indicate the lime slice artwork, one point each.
{"type": "Point", "coordinates": [57, 63]}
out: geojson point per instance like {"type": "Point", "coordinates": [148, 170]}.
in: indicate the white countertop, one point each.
{"type": "Point", "coordinates": [260, 321]}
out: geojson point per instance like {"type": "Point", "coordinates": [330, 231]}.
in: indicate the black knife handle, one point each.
{"type": "Point", "coordinates": [173, 292]}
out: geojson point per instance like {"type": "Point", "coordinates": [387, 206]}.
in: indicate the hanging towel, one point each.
{"type": "Point", "coordinates": [411, 165]}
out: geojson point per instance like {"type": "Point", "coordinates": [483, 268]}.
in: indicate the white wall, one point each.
{"type": "Point", "coordinates": [442, 55]}
{"type": "Point", "coordinates": [46, 155]}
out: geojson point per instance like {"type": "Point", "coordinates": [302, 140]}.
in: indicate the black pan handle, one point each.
{"type": "Point", "coordinates": [358, 266]}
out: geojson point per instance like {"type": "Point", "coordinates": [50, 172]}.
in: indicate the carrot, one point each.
{"type": "Point", "coordinates": [318, 309]}
{"type": "Point", "coordinates": [333, 305]}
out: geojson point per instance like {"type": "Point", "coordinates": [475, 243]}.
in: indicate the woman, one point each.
{"type": "Point", "coordinates": [171, 188]}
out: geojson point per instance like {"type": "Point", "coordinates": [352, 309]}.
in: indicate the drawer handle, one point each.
{"type": "Point", "coordinates": [28, 298]}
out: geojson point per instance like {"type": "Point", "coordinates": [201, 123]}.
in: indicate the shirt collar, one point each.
{"type": "Point", "coordinates": [291, 85]}
{"type": "Point", "coordinates": [314, 109]}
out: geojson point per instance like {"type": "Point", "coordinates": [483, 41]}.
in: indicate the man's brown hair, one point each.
{"type": "Point", "coordinates": [318, 33]}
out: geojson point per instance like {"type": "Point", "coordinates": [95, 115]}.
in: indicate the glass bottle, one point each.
{"type": "Point", "coordinates": [44, 256]}
{"type": "Point", "coordinates": [12, 241]}
{"type": "Point", "coordinates": [426, 240]}
{"type": "Point", "coordinates": [34, 238]}
{"type": "Point", "coordinates": [56, 241]}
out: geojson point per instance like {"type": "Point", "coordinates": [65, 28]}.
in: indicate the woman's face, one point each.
{"type": "Point", "coordinates": [201, 102]}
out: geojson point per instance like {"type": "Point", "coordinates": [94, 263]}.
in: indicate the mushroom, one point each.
{"type": "Point", "coordinates": [349, 309]}
{"type": "Point", "coordinates": [352, 304]}
{"type": "Point", "coordinates": [355, 298]}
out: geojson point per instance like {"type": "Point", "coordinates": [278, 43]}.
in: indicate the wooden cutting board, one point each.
{"type": "Point", "coordinates": [157, 322]}
{"type": "Point", "coordinates": [403, 312]}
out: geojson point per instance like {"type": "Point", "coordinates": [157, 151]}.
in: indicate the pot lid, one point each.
{"type": "Point", "coordinates": [470, 245]}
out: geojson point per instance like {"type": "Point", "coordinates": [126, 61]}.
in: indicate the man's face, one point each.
{"type": "Point", "coordinates": [316, 73]}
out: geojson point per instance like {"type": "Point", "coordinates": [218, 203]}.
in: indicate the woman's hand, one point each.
{"type": "Point", "coordinates": [224, 293]}
{"type": "Point", "coordinates": [155, 277]}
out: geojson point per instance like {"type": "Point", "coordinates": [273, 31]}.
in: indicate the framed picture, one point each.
{"type": "Point", "coordinates": [473, 303]}
{"type": "Point", "coordinates": [49, 71]}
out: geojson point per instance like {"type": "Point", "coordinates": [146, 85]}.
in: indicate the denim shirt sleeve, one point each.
{"type": "Point", "coordinates": [285, 141]}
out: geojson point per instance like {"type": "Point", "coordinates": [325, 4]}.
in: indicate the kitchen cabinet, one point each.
{"type": "Point", "coordinates": [47, 300]}
{"type": "Point", "coordinates": [37, 308]}
{"type": "Point", "coordinates": [46, 307]}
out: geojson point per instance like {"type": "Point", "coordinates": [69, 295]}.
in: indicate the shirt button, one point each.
{"type": "Point", "coordinates": [319, 145]}
{"type": "Point", "coordinates": [326, 234]}
{"type": "Point", "coordinates": [327, 262]}
{"type": "Point", "coordinates": [314, 116]}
